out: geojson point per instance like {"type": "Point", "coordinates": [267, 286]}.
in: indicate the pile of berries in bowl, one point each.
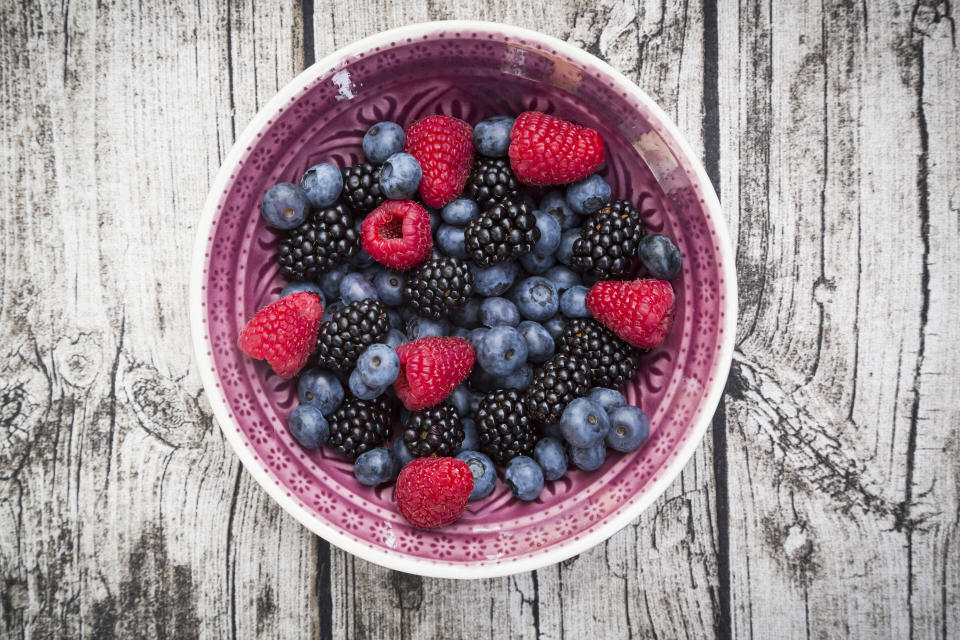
{"type": "Point", "coordinates": [463, 308]}
{"type": "Point", "coordinates": [411, 307]}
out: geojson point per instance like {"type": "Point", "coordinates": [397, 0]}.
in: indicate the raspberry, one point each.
{"type": "Point", "coordinates": [545, 150]}
{"type": "Point", "coordinates": [430, 369]}
{"type": "Point", "coordinates": [443, 146]}
{"type": "Point", "coordinates": [640, 312]}
{"type": "Point", "coordinates": [397, 234]}
{"type": "Point", "coordinates": [432, 492]}
{"type": "Point", "coordinates": [284, 333]}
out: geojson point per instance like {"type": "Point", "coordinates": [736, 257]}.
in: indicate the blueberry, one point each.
{"type": "Point", "coordinates": [536, 264]}
{"type": "Point", "coordinates": [502, 351]}
{"type": "Point", "coordinates": [322, 184]}
{"type": "Point", "coordinates": [536, 298]}
{"type": "Point", "coordinates": [395, 338]}
{"type": "Point", "coordinates": [418, 327]}
{"type": "Point", "coordinates": [476, 336]}
{"type": "Point", "coordinates": [484, 473]}
{"type": "Point", "coordinates": [330, 281]}
{"type": "Point", "coordinates": [362, 259]}
{"type": "Point", "coordinates": [608, 399]}
{"type": "Point", "coordinates": [435, 222]}
{"type": "Point", "coordinates": [360, 389]}
{"type": "Point", "coordinates": [401, 455]}
{"type": "Point", "coordinates": [491, 137]}
{"type": "Point", "coordinates": [565, 250]}
{"type": "Point", "coordinates": [549, 234]}
{"type": "Point", "coordinates": [407, 314]}
{"type": "Point", "coordinates": [371, 272]}
{"type": "Point", "coordinates": [563, 277]}
{"type": "Point", "coordinates": [471, 439]}
{"type": "Point", "coordinates": [355, 287]}
{"type": "Point", "coordinates": [573, 302]}
{"type": "Point", "coordinates": [588, 195]}
{"type": "Point", "coordinates": [555, 325]}
{"type": "Point", "coordinates": [396, 320]}
{"type": "Point", "coordinates": [495, 280]}
{"type": "Point", "coordinates": [460, 399]}
{"type": "Point", "coordinates": [284, 206]}
{"type": "Point", "coordinates": [374, 467]}
{"type": "Point", "coordinates": [584, 423]}
{"type": "Point", "coordinates": [524, 477]}
{"type": "Point", "coordinates": [460, 332]}
{"type": "Point", "coordinates": [519, 379]}
{"type": "Point", "coordinates": [629, 428]}
{"type": "Point", "coordinates": [460, 212]}
{"type": "Point", "coordinates": [389, 287]}
{"type": "Point", "coordinates": [498, 311]}
{"type": "Point", "coordinates": [308, 426]}
{"type": "Point", "coordinates": [330, 308]}
{"type": "Point", "coordinates": [588, 458]}
{"type": "Point", "coordinates": [555, 204]}
{"type": "Point", "coordinates": [308, 287]}
{"type": "Point", "coordinates": [378, 365]}
{"type": "Point", "coordinates": [553, 431]}
{"type": "Point", "coordinates": [400, 176]}
{"type": "Point", "coordinates": [551, 457]}
{"type": "Point", "coordinates": [660, 256]}
{"type": "Point", "coordinates": [468, 315]}
{"type": "Point", "coordinates": [382, 140]}
{"type": "Point", "coordinates": [540, 344]}
{"type": "Point", "coordinates": [321, 388]}
{"type": "Point", "coordinates": [450, 241]}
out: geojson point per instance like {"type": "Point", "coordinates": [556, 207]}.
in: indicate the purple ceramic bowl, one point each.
{"type": "Point", "coordinates": [471, 70]}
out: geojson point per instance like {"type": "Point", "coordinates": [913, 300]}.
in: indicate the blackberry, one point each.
{"type": "Point", "coordinates": [357, 426]}
{"type": "Point", "coordinates": [438, 286]}
{"type": "Point", "coordinates": [609, 241]}
{"type": "Point", "coordinates": [361, 187]}
{"type": "Point", "coordinates": [349, 331]}
{"type": "Point", "coordinates": [504, 426]}
{"type": "Point", "coordinates": [323, 242]}
{"type": "Point", "coordinates": [554, 385]}
{"type": "Point", "coordinates": [434, 431]}
{"type": "Point", "coordinates": [612, 361]}
{"type": "Point", "coordinates": [505, 231]}
{"type": "Point", "coordinates": [491, 181]}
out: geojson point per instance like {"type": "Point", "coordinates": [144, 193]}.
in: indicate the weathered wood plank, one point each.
{"type": "Point", "coordinates": [933, 525]}
{"type": "Point", "coordinates": [128, 515]}
{"type": "Point", "coordinates": [818, 151]}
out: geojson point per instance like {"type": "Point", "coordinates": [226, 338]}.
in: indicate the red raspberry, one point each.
{"type": "Point", "coordinates": [641, 312]}
{"type": "Point", "coordinates": [430, 369]}
{"type": "Point", "coordinates": [432, 492]}
{"type": "Point", "coordinates": [397, 234]}
{"type": "Point", "coordinates": [443, 146]}
{"type": "Point", "coordinates": [545, 150]}
{"type": "Point", "coordinates": [285, 333]}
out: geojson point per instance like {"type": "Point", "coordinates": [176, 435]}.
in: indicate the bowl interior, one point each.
{"type": "Point", "coordinates": [471, 74]}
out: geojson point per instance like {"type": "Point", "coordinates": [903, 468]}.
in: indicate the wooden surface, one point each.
{"type": "Point", "coordinates": [824, 503]}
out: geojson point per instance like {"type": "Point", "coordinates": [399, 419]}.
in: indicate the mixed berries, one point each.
{"type": "Point", "coordinates": [464, 305]}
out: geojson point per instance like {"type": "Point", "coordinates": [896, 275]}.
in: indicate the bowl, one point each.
{"type": "Point", "coordinates": [471, 70]}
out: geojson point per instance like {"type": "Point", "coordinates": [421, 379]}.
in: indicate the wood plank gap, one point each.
{"type": "Point", "coordinates": [723, 620]}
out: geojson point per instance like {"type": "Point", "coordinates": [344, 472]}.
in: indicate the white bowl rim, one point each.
{"type": "Point", "coordinates": [228, 425]}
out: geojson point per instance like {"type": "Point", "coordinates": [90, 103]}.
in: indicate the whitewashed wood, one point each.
{"type": "Point", "coordinates": [933, 540]}
{"type": "Point", "coordinates": [820, 154]}
{"type": "Point", "coordinates": [825, 504]}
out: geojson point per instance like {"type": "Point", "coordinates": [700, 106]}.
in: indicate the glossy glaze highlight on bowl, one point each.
{"type": "Point", "coordinates": [471, 70]}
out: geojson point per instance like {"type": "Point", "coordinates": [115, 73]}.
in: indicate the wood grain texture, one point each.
{"type": "Point", "coordinates": [825, 503]}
